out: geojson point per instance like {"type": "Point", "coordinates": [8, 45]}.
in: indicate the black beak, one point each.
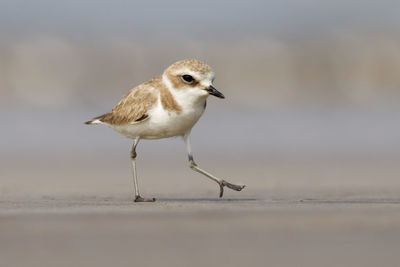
{"type": "Point", "coordinates": [212, 91]}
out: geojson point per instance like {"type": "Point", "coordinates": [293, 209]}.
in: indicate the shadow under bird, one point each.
{"type": "Point", "coordinates": [166, 106]}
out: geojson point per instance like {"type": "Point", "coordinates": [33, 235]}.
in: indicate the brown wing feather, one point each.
{"type": "Point", "coordinates": [134, 106]}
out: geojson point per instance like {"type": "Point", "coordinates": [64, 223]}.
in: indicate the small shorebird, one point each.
{"type": "Point", "coordinates": [166, 106]}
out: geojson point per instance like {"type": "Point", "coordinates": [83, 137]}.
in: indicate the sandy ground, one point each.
{"type": "Point", "coordinates": [294, 212]}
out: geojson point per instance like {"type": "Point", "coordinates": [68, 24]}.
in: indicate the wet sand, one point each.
{"type": "Point", "coordinates": [294, 212]}
{"type": "Point", "coordinates": [201, 232]}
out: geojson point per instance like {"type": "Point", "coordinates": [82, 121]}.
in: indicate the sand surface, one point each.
{"type": "Point", "coordinates": [294, 212]}
{"type": "Point", "coordinates": [201, 232]}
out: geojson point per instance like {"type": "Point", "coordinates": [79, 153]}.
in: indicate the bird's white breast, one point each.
{"type": "Point", "coordinates": [163, 123]}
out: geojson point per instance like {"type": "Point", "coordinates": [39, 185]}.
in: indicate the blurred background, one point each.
{"type": "Point", "coordinates": [312, 94]}
{"type": "Point", "coordinates": [310, 124]}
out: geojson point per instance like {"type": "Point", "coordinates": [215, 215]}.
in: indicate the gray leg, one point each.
{"type": "Point", "coordinates": [138, 198]}
{"type": "Point", "coordinates": [193, 166]}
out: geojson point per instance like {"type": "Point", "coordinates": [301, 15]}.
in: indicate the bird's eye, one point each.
{"type": "Point", "coordinates": [187, 78]}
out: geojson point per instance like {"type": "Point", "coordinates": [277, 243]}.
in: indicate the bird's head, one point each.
{"type": "Point", "coordinates": [192, 76]}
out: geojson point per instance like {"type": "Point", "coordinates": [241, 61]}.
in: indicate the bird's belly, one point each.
{"type": "Point", "coordinates": [172, 124]}
{"type": "Point", "coordinates": [162, 124]}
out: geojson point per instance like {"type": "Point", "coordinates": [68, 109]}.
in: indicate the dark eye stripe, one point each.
{"type": "Point", "coordinates": [187, 78]}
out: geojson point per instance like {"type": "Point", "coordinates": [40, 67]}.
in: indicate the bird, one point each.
{"type": "Point", "coordinates": [166, 106]}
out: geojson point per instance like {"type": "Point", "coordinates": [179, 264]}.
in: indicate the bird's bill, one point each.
{"type": "Point", "coordinates": [212, 91]}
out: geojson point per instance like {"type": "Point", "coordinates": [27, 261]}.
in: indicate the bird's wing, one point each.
{"type": "Point", "coordinates": [134, 107]}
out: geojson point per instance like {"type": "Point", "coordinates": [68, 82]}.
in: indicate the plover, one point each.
{"type": "Point", "coordinates": [166, 106]}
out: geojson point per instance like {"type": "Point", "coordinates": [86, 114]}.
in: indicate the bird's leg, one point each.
{"type": "Point", "coordinates": [222, 183]}
{"type": "Point", "coordinates": [138, 198]}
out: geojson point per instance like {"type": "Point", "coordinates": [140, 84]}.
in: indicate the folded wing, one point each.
{"type": "Point", "coordinates": [133, 108]}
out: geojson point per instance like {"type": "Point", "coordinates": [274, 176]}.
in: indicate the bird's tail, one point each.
{"type": "Point", "coordinates": [97, 120]}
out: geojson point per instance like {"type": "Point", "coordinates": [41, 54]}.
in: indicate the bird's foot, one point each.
{"type": "Point", "coordinates": [224, 183]}
{"type": "Point", "coordinates": [141, 199]}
